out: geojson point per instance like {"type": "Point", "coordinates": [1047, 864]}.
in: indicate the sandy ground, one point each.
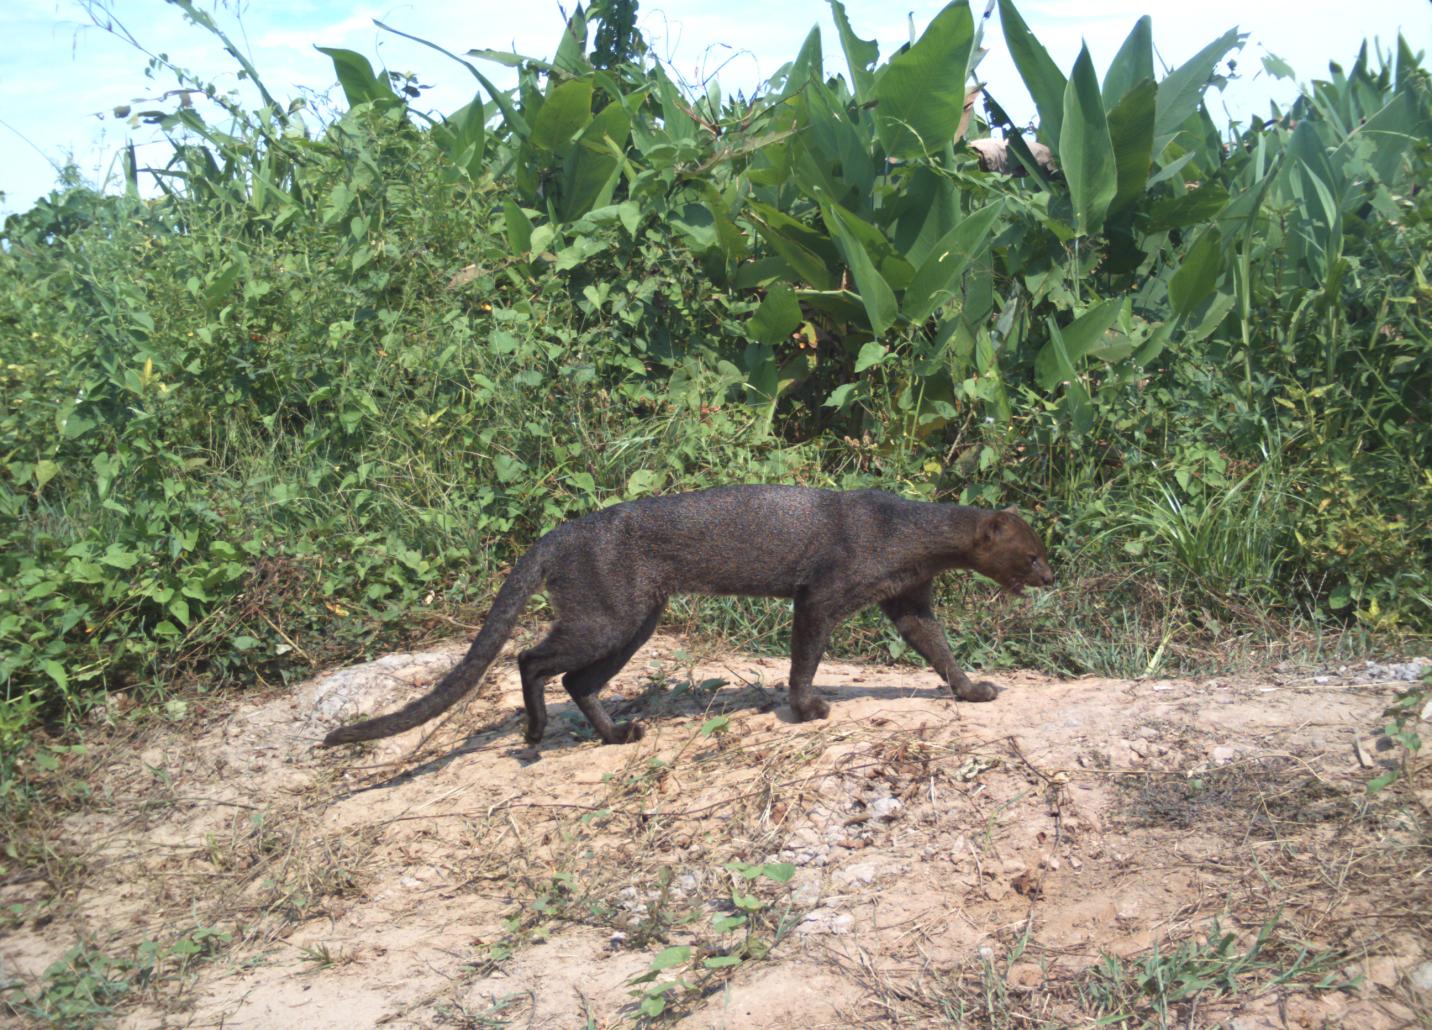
{"type": "Point", "coordinates": [930, 862]}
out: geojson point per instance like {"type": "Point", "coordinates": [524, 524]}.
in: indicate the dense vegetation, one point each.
{"type": "Point", "coordinates": [311, 399]}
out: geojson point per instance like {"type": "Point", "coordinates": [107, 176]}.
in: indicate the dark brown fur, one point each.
{"type": "Point", "coordinates": [608, 576]}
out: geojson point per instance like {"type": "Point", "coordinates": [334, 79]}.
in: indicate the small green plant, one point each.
{"type": "Point", "coordinates": [1412, 706]}
{"type": "Point", "coordinates": [86, 984]}
{"type": "Point", "coordinates": [1159, 985]}
{"type": "Point", "coordinates": [716, 958]}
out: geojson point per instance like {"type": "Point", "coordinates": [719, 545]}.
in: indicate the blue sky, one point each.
{"type": "Point", "coordinates": [61, 77]}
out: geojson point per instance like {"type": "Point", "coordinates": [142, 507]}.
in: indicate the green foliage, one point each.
{"type": "Point", "coordinates": [1401, 732]}
{"type": "Point", "coordinates": [82, 987]}
{"type": "Point", "coordinates": [345, 366]}
{"type": "Point", "coordinates": [657, 997]}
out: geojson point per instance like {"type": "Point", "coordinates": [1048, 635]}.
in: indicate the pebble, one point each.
{"type": "Point", "coordinates": [885, 808]}
{"type": "Point", "coordinates": [861, 873]}
{"type": "Point", "coordinates": [823, 920]}
{"type": "Point", "coordinates": [1421, 978]}
{"type": "Point", "coordinates": [807, 895]}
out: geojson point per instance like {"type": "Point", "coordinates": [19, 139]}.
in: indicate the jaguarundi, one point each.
{"type": "Point", "coordinates": [608, 576]}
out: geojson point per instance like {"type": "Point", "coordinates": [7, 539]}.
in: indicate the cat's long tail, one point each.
{"type": "Point", "coordinates": [524, 580]}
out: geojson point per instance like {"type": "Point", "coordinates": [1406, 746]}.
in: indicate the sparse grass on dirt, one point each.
{"type": "Point", "coordinates": [1152, 852]}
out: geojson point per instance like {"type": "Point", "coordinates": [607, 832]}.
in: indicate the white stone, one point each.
{"type": "Point", "coordinates": [885, 808]}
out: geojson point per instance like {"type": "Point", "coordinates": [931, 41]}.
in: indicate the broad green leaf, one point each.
{"type": "Point", "coordinates": [795, 242]}
{"type": "Point", "coordinates": [1131, 130]}
{"type": "Point", "coordinates": [572, 49]}
{"type": "Point", "coordinates": [519, 228]}
{"type": "Point", "coordinates": [721, 961]}
{"type": "Point", "coordinates": [875, 292]}
{"type": "Point", "coordinates": [896, 270]}
{"type": "Point", "coordinates": [860, 54]}
{"type": "Point", "coordinates": [1086, 153]}
{"type": "Point", "coordinates": [1210, 316]}
{"type": "Point", "coordinates": [1131, 65]}
{"type": "Point", "coordinates": [1058, 360]}
{"type": "Point", "coordinates": [355, 75]}
{"type": "Point", "coordinates": [563, 114]}
{"type": "Point", "coordinates": [871, 353]}
{"type": "Point", "coordinates": [840, 396]}
{"type": "Point", "coordinates": [1392, 128]}
{"type": "Point", "coordinates": [935, 279]}
{"type": "Point", "coordinates": [777, 317]}
{"type": "Point", "coordinates": [594, 163]}
{"type": "Point", "coordinates": [468, 130]}
{"type": "Point", "coordinates": [1197, 276]}
{"type": "Point", "coordinates": [56, 672]}
{"type": "Point", "coordinates": [673, 956]}
{"type": "Point", "coordinates": [45, 470]}
{"type": "Point", "coordinates": [640, 482]}
{"type": "Point", "coordinates": [1041, 75]}
{"type": "Point", "coordinates": [1052, 365]}
{"type": "Point", "coordinates": [1182, 90]}
{"type": "Point", "coordinates": [780, 872]}
{"type": "Point", "coordinates": [921, 91]}
{"type": "Point", "coordinates": [119, 557]}
{"type": "Point", "coordinates": [806, 68]}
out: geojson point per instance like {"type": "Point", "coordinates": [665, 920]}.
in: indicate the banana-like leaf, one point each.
{"type": "Point", "coordinates": [564, 113]}
{"type": "Point", "coordinates": [519, 228]}
{"type": "Point", "coordinates": [921, 92]}
{"type": "Point", "coordinates": [594, 162]}
{"type": "Point", "coordinates": [1131, 65]}
{"type": "Point", "coordinates": [794, 243]}
{"type": "Point", "coordinates": [808, 66]}
{"type": "Point", "coordinates": [1181, 91]}
{"type": "Point", "coordinates": [1041, 75]}
{"type": "Point", "coordinates": [571, 55]}
{"type": "Point", "coordinates": [860, 54]}
{"type": "Point", "coordinates": [355, 75]}
{"type": "Point", "coordinates": [1058, 360]}
{"type": "Point", "coordinates": [1086, 151]}
{"type": "Point", "coordinates": [1197, 277]}
{"type": "Point", "coordinates": [935, 279]}
{"type": "Point", "coordinates": [875, 292]}
{"type": "Point", "coordinates": [1131, 129]}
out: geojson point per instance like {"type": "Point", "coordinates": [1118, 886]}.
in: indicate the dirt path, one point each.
{"type": "Point", "coordinates": [909, 861]}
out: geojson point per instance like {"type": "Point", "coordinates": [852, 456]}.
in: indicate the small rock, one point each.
{"type": "Point", "coordinates": [687, 883]}
{"type": "Point", "coordinates": [807, 895]}
{"type": "Point", "coordinates": [616, 940]}
{"type": "Point", "coordinates": [1421, 978]}
{"type": "Point", "coordinates": [857, 874]}
{"type": "Point", "coordinates": [823, 920]}
{"type": "Point", "coordinates": [1408, 672]}
{"type": "Point", "coordinates": [885, 808]}
{"type": "Point", "coordinates": [1322, 681]}
{"type": "Point", "coordinates": [1222, 754]}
